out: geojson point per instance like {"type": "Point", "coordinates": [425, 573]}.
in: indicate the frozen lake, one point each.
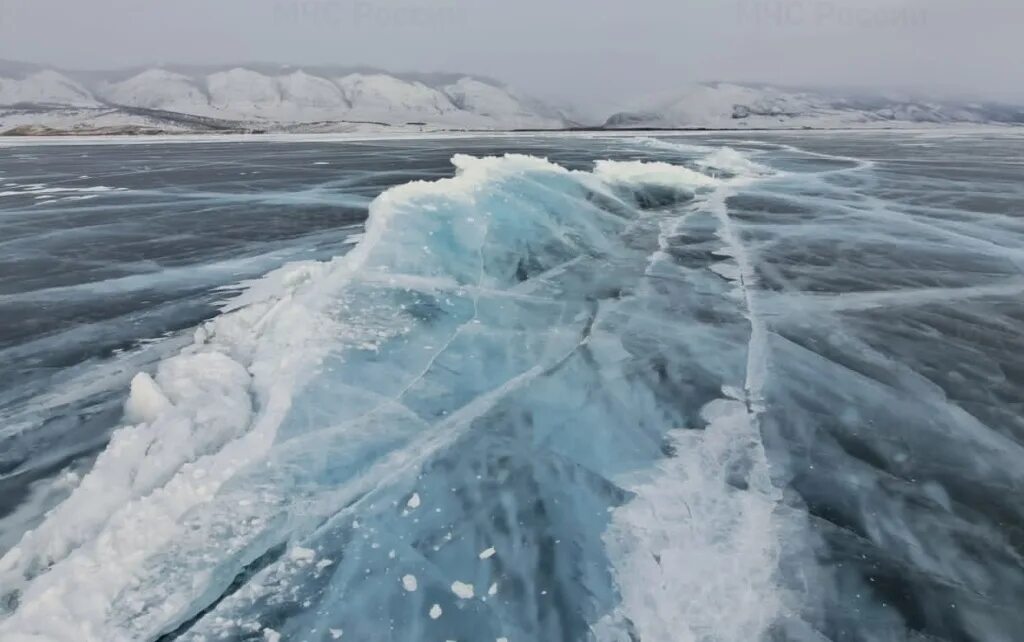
{"type": "Point", "coordinates": [704, 387]}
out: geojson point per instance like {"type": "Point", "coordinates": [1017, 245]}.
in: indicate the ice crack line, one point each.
{"type": "Point", "coordinates": [757, 357]}
{"type": "Point", "coordinates": [476, 293]}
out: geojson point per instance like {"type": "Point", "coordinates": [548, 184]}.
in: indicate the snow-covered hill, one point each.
{"type": "Point", "coordinates": [732, 106]}
{"type": "Point", "coordinates": [37, 100]}
{"type": "Point", "coordinates": [264, 98]}
{"type": "Point", "coordinates": [156, 89]}
{"type": "Point", "coordinates": [45, 87]}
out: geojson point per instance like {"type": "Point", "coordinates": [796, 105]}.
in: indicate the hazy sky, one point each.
{"type": "Point", "coordinates": [597, 53]}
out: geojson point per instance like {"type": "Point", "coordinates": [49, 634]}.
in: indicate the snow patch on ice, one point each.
{"type": "Point", "coordinates": [703, 524]}
{"type": "Point", "coordinates": [690, 533]}
{"type": "Point", "coordinates": [146, 401]}
{"type": "Point", "coordinates": [89, 549]}
{"type": "Point", "coordinates": [409, 583]}
{"type": "Point", "coordinates": [463, 590]}
{"type": "Point", "coordinates": [731, 161]}
{"type": "Point", "coordinates": [652, 173]}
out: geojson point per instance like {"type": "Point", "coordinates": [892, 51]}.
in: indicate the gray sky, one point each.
{"type": "Point", "coordinates": [599, 53]}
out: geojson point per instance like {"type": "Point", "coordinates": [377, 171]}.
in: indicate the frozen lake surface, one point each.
{"type": "Point", "coordinates": [707, 387]}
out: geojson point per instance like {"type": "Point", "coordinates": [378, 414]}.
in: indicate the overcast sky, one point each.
{"type": "Point", "coordinates": [597, 52]}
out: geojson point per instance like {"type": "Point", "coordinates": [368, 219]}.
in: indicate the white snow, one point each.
{"type": "Point", "coordinates": [146, 401]}
{"type": "Point", "coordinates": [49, 87]}
{"type": "Point", "coordinates": [688, 532]}
{"type": "Point", "coordinates": [159, 89]}
{"type": "Point", "coordinates": [322, 564]}
{"type": "Point", "coordinates": [294, 97]}
{"type": "Point", "coordinates": [488, 100]}
{"type": "Point", "coordinates": [305, 93]}
{"type": "Point", "coordinates": [436, 611]}
{"type": "Point", "coordinates": [409, 583]}
{"type": "Point", "coordinates": [732, 106]}
{"type": "Point", "coordinates": [83, 120]}
{"type": "Point", "coordinates": [244, 92]}
{"type": "Point", "coordinates": [130, 505]}
{"type": "Point", "coordinates": [641, 173]}
{"type": "Point", "coordinates": [256, 99]}
{"type": "Point", "coordinates": [379, 96]}
{"type": "Point", "coordinates": [463, 590]}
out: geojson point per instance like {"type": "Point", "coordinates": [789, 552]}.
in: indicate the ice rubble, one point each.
{"type": "Point", "coordinates": [497, 366]}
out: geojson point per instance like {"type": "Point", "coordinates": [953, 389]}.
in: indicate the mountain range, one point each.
{"type": "Point", "coordinates": [35, 100]}
{"type": "Point", "coordinates": [736, 106]}
{"type": "Point", "coordinates": [275, 98]}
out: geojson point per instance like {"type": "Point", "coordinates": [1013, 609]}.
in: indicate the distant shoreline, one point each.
{"type": "Point", "coordinates": [80, 138]}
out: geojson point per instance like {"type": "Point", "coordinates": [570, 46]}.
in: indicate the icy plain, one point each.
{"type": "Point", "coordinates": [689, 388]}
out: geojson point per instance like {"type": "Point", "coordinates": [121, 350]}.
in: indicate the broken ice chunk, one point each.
{"type": "Point", "coordinates": [409, 583]}
{"type": "Point", "coordinates": [463, 590]}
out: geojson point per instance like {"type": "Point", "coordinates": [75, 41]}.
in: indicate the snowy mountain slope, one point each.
{"type": "Point", "coordinates": [733, 106]}
{"type": "Point", "coordinates": [277, 99]}
{"type": "Point", "coordinates": [157, 89]}
{"type": "Point", "coordinates": [85, 120]}
{"type": "Point", "coordinates": [44, 87]}
{"type": "Point", "coordinates": [259, 97]}
{"type": "Point", "coordinates": [243, 92]}
{"type": "Point", "coordinates": [373, 94]}
{"type": "Point", "coordinates": [478, 97]}
{"type": "Point", "coordinates": [308, 92]}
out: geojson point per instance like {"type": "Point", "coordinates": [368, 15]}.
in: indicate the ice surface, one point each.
{"type": "Point", "coordinates": [697, 397]}
{"type": "Point", "coordinates": [346, 378]}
